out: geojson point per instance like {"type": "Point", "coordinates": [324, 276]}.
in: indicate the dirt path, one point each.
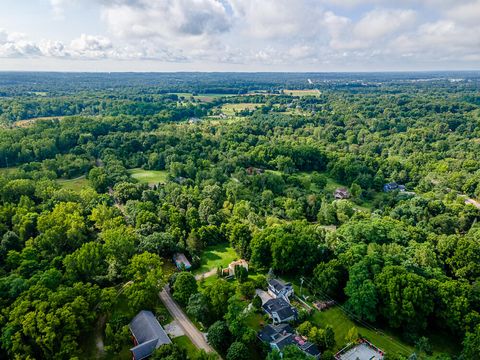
{"type": "Point", "coordinates": [197, 338]}
{"type": "Point", "coordinates": [205, 274]}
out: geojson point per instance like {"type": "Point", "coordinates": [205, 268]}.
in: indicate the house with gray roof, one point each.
{"type": "Point", "coordinates": [148, 335]}
{"type": "Point", "coordinates": [280, 311]}
{"type": "Point", "coordinates": [279, 336]}
{"type": "Point", "coordinates": [279, 289]}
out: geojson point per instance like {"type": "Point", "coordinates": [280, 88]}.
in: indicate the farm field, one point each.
{"type": "Point", "coordinates": [215, 256]}
{"type": "Point", "coordinates": [150, 177]}
{"type": "Point", "coordinates": [309, 92]}
{"type": "Point", "coordinates": [76, 184]}
{"type": "Point", "coordinates": [231, 109]}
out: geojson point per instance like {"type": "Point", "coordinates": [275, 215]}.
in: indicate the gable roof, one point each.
{"type": "Point", "coordinates": [278, 285]}
{"type": "Point", "coordinates": [180, 259]}
{"type": "Point", "coordinates": [283, 335]}
{"type": "Point", "coordinates": [148, 334]}
{"type": "Point", "coordinates": [283, 309]}
{"type": "Point", "coordinates": [272, 332]}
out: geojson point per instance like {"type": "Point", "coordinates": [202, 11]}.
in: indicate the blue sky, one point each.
{"type": "Point", "coordinates": [239, 35]}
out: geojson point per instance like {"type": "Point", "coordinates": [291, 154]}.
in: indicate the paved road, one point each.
{"type": "Point", "coordinates": [189, 329]}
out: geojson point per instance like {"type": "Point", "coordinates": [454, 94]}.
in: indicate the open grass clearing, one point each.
{"type": "Point", "coordinates": [232, 109]}
{"type": "Point", "coordinates": [306, 92]}
{"type": "Point", "coordinates": [216, 256]}
{"type": "Point", "coordinates": [29, 122]}
{"type": "Point", "coordinates": [76, 184]}
{"type": "Point", "coordinates": [150, 177]}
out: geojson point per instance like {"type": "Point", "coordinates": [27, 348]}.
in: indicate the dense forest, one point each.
{"type": "Point", "coordinates": [250, 165]}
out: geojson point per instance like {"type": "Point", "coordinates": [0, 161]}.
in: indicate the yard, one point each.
{"type": "Point", "coordinates": [76, 184]}
{"type": "Point", "coordinates": [216, 256]}
{"type": "Point", "coordinates": [341, 324]}
{"type": "Point", "coordinates": [150, 177]}
{"type": "Point", "coordinates": [383, 339]}
{"type": "Point", "coordinates": [185, 343]}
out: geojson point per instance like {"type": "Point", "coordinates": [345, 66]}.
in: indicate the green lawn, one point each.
{"type": "Point", "coordinates": [214, 256]}
{"type": "Point", "coordinates": [385, 340]}
{"type": "Point", "coordinates": [341, 323]}
{"type": "Point", "coordinates": [184, 342]}
{"type": "Point", "coordinates": [76, 184]}
{"type": "Point", "coordinates": [256, 321]}
{"type": "Point", "coordinates": [150, 177]}
{"type": "Point", "coordinates": [230, 109]}
{"type": "Point", "coordinates": [5, 171]}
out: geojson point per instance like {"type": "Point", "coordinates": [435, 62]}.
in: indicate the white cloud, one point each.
{"type": "Point", "coordinates": [269, 19]}
{"type": "Point", "coordinates": [91, 46]}
{"type": "Point", "coordinates": [466, 13]}
{"type": "Point", "coordinates": [382, 22]}
{"type": "Point", "coordinates": [16, 45]}
{"type": "Point", "coordinates": [266, 32]}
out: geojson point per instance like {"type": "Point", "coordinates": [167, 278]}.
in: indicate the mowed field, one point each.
{"type": "Point", "coordinates": [309, 92]}
{"type": "Point", "coordinates": [216, 256]}
{"type": "Point", "coordinates": [151, 177]}
{"type": "Point", "coordinates": [231, 109]}
{"type": "Point", "coordinates": [76, 184]}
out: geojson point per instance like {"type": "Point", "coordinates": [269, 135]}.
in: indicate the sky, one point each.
{"type": "Point", "coordinates": [239, 35]}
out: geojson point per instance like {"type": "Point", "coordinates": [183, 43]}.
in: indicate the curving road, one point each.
{"type": "Point", "coordinates": [197, 338]}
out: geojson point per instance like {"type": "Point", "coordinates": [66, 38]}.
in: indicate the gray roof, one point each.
{"type": "Point", "coordinates": [278, 285]}
{"type": "Point", "coordinates": [148, 333]}
{"type": "Point", "coordinates": [272, 332]}
{"type": "Point", "coordinates": [283, 309]}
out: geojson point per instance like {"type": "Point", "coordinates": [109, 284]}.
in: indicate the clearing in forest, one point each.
{"type": "Point", "coordinates": [231, 109]}
{"type": "Point", "coordinates": [307, 92]}
{"type": "Point", "coordinates": [150, 177]}
{"type": "Point", "coordinates": [76, 184]}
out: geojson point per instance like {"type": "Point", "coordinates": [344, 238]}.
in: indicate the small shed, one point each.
{"type": "Point", "coordinates": [181, 261]}
{"type": "Point", "coordinates": [148, 335]}
{"type": "Point", "coordinates": [341, 193]}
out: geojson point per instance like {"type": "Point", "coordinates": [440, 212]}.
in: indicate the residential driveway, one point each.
{"type": "Point", "coordinates": [263, 295]}
{"type": "Point", "coordinates": [197, 338]}
{"type": "Point", "coordinates": [173, 329]}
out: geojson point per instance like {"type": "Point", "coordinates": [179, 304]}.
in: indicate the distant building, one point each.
{"type": "Point", "coordinates": [279, 289]}
{"type": "Point", "coordinates": [194, 120]}
{"type": "Point", "coordinates": [148, 335]}
{"type": "Point", "coordinates": [181, 261]}
{"type": "Point", "coordinates": [279, 336]}
{"type": "Point", "coordinates": [393, 187]}
{"type": "Point", "coordinates": [341, 193]}
{"type": "Point", "coordinates": [280, 310]}
{"type": "Point", "coordinates": [253, 170]}
{"type": "Point", "coordinates": [230, 271]}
